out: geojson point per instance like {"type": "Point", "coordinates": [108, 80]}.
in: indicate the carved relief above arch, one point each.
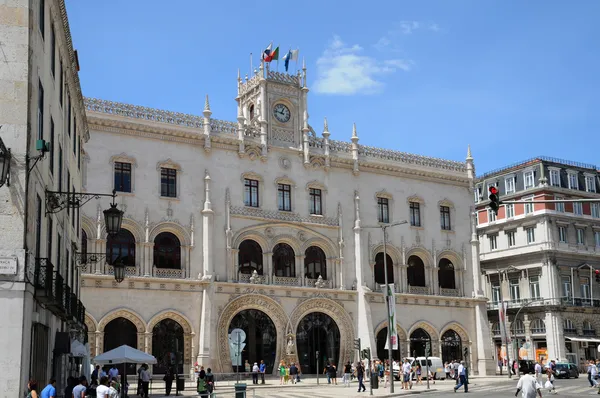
{"type": "Point", "coordinates": [251, 175]}
{"type": "Point", "coordinates": [423, 254]}
{"type": "Point", "coordinates": [89, 226]}
{"type": "Point", "coordinates": [132, 226]}
{"type": "Point", "coordinates": [426, 326]}
{"type": "Point", "coordinates": [285, 180]}
{"type": "Point", "coordinates": [130, 316]}
{"type": "Point", "coordinates": [246, 302]}
{"type": "Point", "coordinates": [401, 332]}
{"type": "Point", "coordinates": [253, 152]}
{"type": "Point", "coordinates": [446, 202]}
{"type": "Point", "coordinates": [458, 328]}
{"type": "Point", "coordinates": [290, 240]}
{"type": "Point", "coordinates": [91, 323]}
{"type": "Point", "coordinates": [454, 257]}
{"type": "Point", "coordinates": [415, 198]}
{"type": "Point", "coordinates": [251, 235]}
{"type": "Point", "coordinates": [169, 164]}
{"type": "Point", "coordinates": [185, 324]}
{"type": "Point", "coordinates": [123, 158]}
{"type": "Point", "coordinates": [337, 313]}
{"type": "Point", "coordinates": [383, 194]}
{"type": "Point", "coordinates": [314, 184]}
{"type": "Point", "coordinates": [174, 228]}
{"type": "Point", "coordinates": [391, 250]}
{"type": "Point", "coordinates": [330, 251]}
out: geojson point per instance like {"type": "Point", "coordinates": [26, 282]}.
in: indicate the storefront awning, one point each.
{"type": "Point", "coordinates": [583, 339]}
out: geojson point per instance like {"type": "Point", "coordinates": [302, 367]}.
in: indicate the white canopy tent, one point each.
{"type": "Point", "coordinates": [124, 354]}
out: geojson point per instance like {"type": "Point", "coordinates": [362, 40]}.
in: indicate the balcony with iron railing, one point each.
{"type": "Point", "coordinates": [541, 302]}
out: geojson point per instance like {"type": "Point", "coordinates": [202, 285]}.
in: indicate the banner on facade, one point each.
{"type": "Point", "coordinates": [391, 300]}
{"type": "Point", "coordinates": [502, 308]}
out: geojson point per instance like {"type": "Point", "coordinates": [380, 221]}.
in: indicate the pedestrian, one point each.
{"type": "Point", "coordinates": [447, 370]}
{"type": "Point", "coordinates": [360, 375]}
{"type": "Point", "coordinates": [529, 385]}
{"type": "Point", "coordinates": [50, 390]}
{"type": "Point", "coordinates": [500, 365]}
{"type": "Point", "coordinates": [80, 389]}
{"type": "Point", "coordinates": [32, 388]}
{"type": "Point", "coordinates": [168, 378]}
{"type": "Point", "coordinates": [281, 371]}
{"type": "Point", "coordinates": [406, 375]}
{"type": "Point", "coordinates": [102, 391]}
{"type": "Point", "coordinates": [332, 373]}
{"type": "Point", "coordinates": [262, 368]}
{"type": "Point", "coordinates": [201, 386]}
{"type": "Point", "coordinates": [255, 370]}
{"type": "Point", "coordinates": [550, 381]}
{"type": "Point", "coordinates": [326, 372]}
{"type": "Point", "coordinates": [210, 380]}
{"type": "Point", "coordinates": [592, 374]}
{"type": "Point", "coordinates": [293, 373]}
{"type": "Point", "coordinates": [347, 373]}
{"type": "Point", "coordinates": [462, 377]}
{"type": "Point", "coordinates": [146, 376]}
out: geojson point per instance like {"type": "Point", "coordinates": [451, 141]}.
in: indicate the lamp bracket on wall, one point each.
{"type": "Point", "coordinates": [82, 259]}
{"type": "Point", "coordinates": [57, 201]}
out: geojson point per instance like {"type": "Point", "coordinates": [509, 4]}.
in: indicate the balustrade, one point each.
{"type": "Point", "coordinates": [286, 280]}
{"type": "Point", "coordinates": [424, 290]}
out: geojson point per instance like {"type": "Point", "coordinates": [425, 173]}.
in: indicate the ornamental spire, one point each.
{"type": "Point", "coordinates": [469, 156]}
{"type": "Point", "coordinates": [325, 126]}
{"type": "Point", "coordinates": [206, 104]}
{"type": "Point", "coordinates": [354, 133]}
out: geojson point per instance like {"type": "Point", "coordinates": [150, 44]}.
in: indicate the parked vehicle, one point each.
{"type": "Point", "coordinates": [565, 370]}
{"type": "Point", "coordinates": [436, 367]}
{"type": "Point", "coordinates": [526, 365]}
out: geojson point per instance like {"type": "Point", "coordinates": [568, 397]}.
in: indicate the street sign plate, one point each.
{"type": "Point", "coordinates": [8, 266]}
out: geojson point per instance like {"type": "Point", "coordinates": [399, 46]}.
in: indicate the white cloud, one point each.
{"type": "Point", "coordinates": [407, 27]}
{"type": "Point", "coordinates": [345, 70]}
{"type": "Point", "coordinates": [388, 42]}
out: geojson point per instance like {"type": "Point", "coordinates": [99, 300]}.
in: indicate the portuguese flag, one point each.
{"type": "Point", "coordinates": [271, 55]}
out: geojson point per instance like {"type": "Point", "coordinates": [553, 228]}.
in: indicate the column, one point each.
{"type": "Point", "coordinates": [184, 260]}
{"type": "Point", "coordinates": [140, 255]}
{"type": "Point", "coordinates": [100, 247]}
{"type": "Point", "coordinates": [300, 267]}
{"type": "Point", "coordinates": [555, 338]}
{"type": "Point", "coordinates": [268, 264]}
{"type": "Point", "coordinates": [207, 231]}
{"type": "Point", "coordinates": [148, 259]}
{"type": "Point", "coordinates": [403, 278]}
{"type": "Point", "coordinates": [207, 329]}
{"type": "Point", "coordinates": [233, 265]}
{"type": "Point", "coordinates": [435, 281]}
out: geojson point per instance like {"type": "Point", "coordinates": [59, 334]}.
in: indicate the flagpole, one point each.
{"type": "Point", "coordinates": [297, 60]}
{"type": "Point", "coordinates": [251, 65]}
{"type": "Point", "coordinates": [278, 59]}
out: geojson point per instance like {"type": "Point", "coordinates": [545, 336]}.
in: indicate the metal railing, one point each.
{"type": "Point", "coordinates": [42, 280]}
{"type": "Point", "coordinates": [535, 302]}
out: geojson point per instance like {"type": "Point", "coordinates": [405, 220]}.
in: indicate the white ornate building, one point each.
{"type": "Point", "coordinates": [208, 202]}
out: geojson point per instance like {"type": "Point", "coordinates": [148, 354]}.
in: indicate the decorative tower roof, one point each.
{"type": "Point", "coordinates": [469, 156]}
{"type": "Point", "coordinates": [206, 104]}
{"type": "Point", "coordinates": [354, 134]}
{"type": "Point", "coordinates": [325, 129]}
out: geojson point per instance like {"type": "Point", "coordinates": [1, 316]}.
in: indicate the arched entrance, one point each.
{"type": "Point", "coordinates": [451, 346]}
{"type": "Point", "coordinates": [317, 332]}
{"type": "Point", "coordinates": [167, 346]}
{"type": "Point", "coordinates": [381, 341]}
{"type": "Point", "coordinates": [418, 341]}
{"type": "Point", "coordinates": [118, 332]}
{"type": "Point", "coordinates": [257, 342]}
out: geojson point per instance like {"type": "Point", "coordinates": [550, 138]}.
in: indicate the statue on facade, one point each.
{"type": "Point", "coordinates": [290, 350]}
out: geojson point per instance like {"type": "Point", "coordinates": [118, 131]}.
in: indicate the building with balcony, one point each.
{"type": "Point", "coordinates": [540, 258]}
{"type": "Point", "coordinates": [259, 225]}
{"type": "Point", "coordinates": [44, 127]}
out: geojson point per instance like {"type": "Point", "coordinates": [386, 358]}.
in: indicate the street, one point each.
{"type": "Point", "coordinates": [479, 387]}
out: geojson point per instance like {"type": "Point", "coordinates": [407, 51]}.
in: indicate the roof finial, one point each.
{"type": "Point", "coordinates": [239, 75]}
{"type": "Point", "coordinates": [469, 156]}
{"type": "Point", "coordinates": [206, 104]}
{"type": "Point", "coordinates": [354, 134]}
{"type": "Point", "coordinates": [325, 125]}
{"type": "Point", "coordinates": [303, 63]}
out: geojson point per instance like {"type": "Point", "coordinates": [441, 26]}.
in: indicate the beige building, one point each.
{"type": "Point", "coordinates": [246, 240]}
{"type": "Point", "coordinates": [44, 127]}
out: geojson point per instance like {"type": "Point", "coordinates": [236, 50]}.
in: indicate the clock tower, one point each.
{"type": "Point", "coordinates": [272, 111]}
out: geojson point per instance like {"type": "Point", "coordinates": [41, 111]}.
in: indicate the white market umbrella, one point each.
{"type": "Point", "coordinates": [124, 354]}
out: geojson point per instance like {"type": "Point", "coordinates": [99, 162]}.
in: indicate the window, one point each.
{"type": "Point", "coordinates": [538, 326]}
{"type": "Point", "coordinates": [566, 286]}
{"type": "Point", "coordinates": [38, 225]}
{"type": "Point", "coordinates": [595, 210]}
{"type": "Point", "coordinates": [58, 251]}
{"type": "Point", "coordinates": [534, 287]}
{"type": "Point", "coordinates": [383, 210]}
{"type": "Point", "coordinates": [584, 282]}
{"type": "Point", "coordinates": [60, 82]}
{"type": "Point", "coordinates": [79, 156]}
{"type": "Point", "coordinates": [315, 201]}
{"type": "Point", "coordinates": [580, 236]}
{"type": "Point", "coordinates": [491, 215]}
{"type": "Point", "coordinates": [49, 238]}
{"type": "Point", "coordinates": [590, 184]}
{"type": "Point", "coordinates": [515, 290]}
{"type": "Point", "coordinates": [555, 178]}
{"type": "Point", "coordinates": [122, 247]}
{"type": "Point", "coordinates": [84, 245]}
{"type": "Point", "coordinates": [168, 182]}
{"type": "Point", "coordinates": [68, 190]}
{"type": "Point", "coordinates": [573, 182]}
{"type": "Point", "coordinates": [445, 218]}
{"type": "Point", "coordinates": [597, 238]}
{"type": "Point", "coordinates": [167, 251]}
{"type": "Point", "coordinates": [42, 20]}
{"type": "Point", "coordinates": [123, 177]}
{"type": "Point", "coordinates": [509, 184]}
{"type": "Point", "coordinates": [251, 193]}
{"type": "Point", "coordinates": [40, 113]}
{"type": "Point", "coordinates": [560, 207]}
{"type": "Point", "coordinates": [477, 193]}
{"type": "Point", "coordinates": [284, 197]}
{"type": "Point", "coordinates": [51, 160]}
{"type": "Point", "coordinates": [528, 179]}
{"type": "Point", "coordinates": [528, 206]}
{"type": "Point", "coordinates": [510, 211]}
{"type": "Point", "coordinates": [530, 235]}
{"type": "Point", "coordinates": [493, 242]}
{"type": "Point", "coordinates": [496, 293]}
{"type": "Point", "coordinates": [74, 210]}
{"type": "Point", "coordinates": [52, 51]}
{"type": "Point", "coordinates": [562, 234]}
{"type": "Point", "coordinates": [578, 208]}
{"type": "Point", "coordinates": [251, 111]}
{"type": "Point", "coordinates": [415, 214]}
{"type": "Point", "coordinates": [511, 237]}
{"type": "Point", "coordinates": [568, 326]}
{"type": "Point", "coordinates": [60, 167]}
{"type": "Point", "coordinates": [68, 114]}
{"type": "Point", "coordinates": [74, 136]}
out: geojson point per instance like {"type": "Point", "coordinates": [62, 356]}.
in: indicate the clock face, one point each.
{"type": "Point", "coordinates": [281, 113]}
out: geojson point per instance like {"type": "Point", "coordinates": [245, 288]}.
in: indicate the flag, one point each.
{"type": "Point", "coordinates": [502, 317]}
{"type": "Point", "coordinates": [272, 55]}
{"type": "Point", "coordinates": [292, 55]}
{"type": "Point", "coordinates": [267, 51]}
{"type": "Point", "coordinates": [389, 292]}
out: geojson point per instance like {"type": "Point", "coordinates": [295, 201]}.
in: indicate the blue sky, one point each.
{"type": "Point", "coordinates": [512, 78]}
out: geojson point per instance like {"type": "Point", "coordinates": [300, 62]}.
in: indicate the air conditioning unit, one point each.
{"type": "Point", "coordinates": [584, 344]}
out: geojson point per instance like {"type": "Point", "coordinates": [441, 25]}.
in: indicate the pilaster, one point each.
{"type": "Point", "coordinates": [207, 129]}
{"type": "Point", "coordinates": [207, 231]}
{"type": "Point", "coordinates": [207, 329]}
{"type": "Point", "coordinates": [554, 336]}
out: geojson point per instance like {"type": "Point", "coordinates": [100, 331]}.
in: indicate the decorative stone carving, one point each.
{"type": "Point", "coordinates": [282, 216]}
{"type": "Point", "coordinates": [464, 336]}
{"type": "Point", "coordinates": [301, 236]}
{"type": "Point", "coordinates": [283, 135]}
{"type": "Point", "coordinates": [291, 346]}
{"type": "Point", "coordinates": [168, 164]}
{"type": "Point", "coordinates": [285, 163]}
{"type": "Point", "coordinates": [269, 233]}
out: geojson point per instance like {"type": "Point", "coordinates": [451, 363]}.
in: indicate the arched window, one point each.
{"type": "Point", "coordinates": [518, 327]}
{"type": "Point", "coordinates": [250, 257]}
{"type": "Point", "coordinates": [84, 248]}
{"type": "Point", "coordinates": [251, 111]}
{"type": "Point", "coordinates": [496, 329]}
{"type": "Point", "coordinates": [569, 327]}
{"type": "Point", "coordinates": [451, 346]}
{"type": "Point", "coordinates": [284, 260]}
{"type": "Point", "coordinates": [538, 326]}
{"type": "Point", "coordinates": [379, 269]}
{"type": "Point", "coordinates": [121, 247]}
{"type": "Point", "coordinates": [588, 329]}
{"type": "Point", "coordinates": [118, 332]}
{"type": "Point", "coordinates": [418, 342]}
{"type": "Point", "coordinates": [315, 263]}
{"type": "Point", "coordinates": [167, 251]}
{"type": "Point", "coordinates": [416, 271]}
{"type": "Point", "coordinates": [446, 274]}
{"type": "Point", "coordinates": [164, 335]}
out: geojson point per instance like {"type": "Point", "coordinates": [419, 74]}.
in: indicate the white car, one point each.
{"type": "Point", "coordinates": [436, 367]}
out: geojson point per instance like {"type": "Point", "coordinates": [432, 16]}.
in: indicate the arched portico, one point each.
{"type": "Point", "coordinates": [128, 314]}
{"type": "Point", "coordinates": [188, 333]}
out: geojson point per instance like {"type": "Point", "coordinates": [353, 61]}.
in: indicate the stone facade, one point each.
{"type": "Point", "coordinates": [41, 100]}
{"type": "Point", "coordinates": [270, 181]}
{"type": "Point", "coordinates": [540, 259]}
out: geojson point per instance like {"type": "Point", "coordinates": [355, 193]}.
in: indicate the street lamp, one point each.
{"type": "Point", "coordinates": [388, 295]}
{"type": "Point", "coordinates": [113, 217]}
{"type": "Point", "coordinates": [119, 270]}
{"type": "Point", "coordinates": [5, 157]}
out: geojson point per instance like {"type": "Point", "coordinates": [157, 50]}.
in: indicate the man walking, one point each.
{"type": "Point", "coordinates": [360, 375]}
{"type": "Point", "coordinates": [462, 377]}
{"type": "Point", "coordinates": [262, 369]}
{"type": "Point", "coordinates": [529, 386]}
{"type": "Point", "coordinates": [50, 390]}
